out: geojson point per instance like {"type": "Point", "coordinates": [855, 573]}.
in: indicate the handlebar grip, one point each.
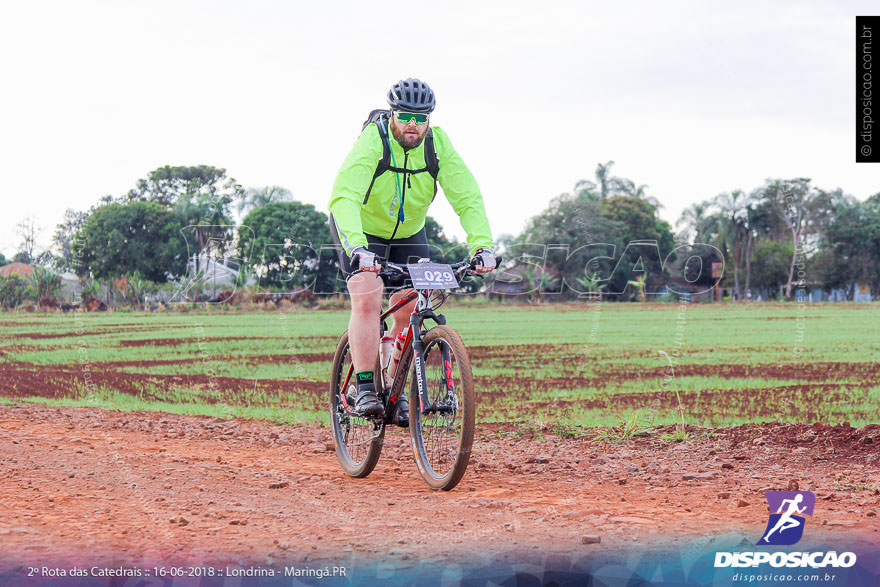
{"type": "Point", "coordinates": [472, 264]}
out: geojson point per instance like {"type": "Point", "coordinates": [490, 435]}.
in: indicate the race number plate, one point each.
{"type": "Point", "coordinates": [432, 276]}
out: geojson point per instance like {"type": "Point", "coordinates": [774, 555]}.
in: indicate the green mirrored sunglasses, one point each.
{"type": "Point", "coordinates": [407, 117]}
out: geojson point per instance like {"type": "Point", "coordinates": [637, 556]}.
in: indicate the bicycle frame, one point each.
{"type": "Point", "coordinates": [441, 424]}
{"type": "Point", "coordinates": [420, 312]}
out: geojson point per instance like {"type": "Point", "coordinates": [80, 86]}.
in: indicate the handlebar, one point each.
{"type": "Point", "coordinates": [464, 268]}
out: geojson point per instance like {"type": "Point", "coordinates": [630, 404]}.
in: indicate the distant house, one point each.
{"type": "Point", "coordinates": [19, 269]}
{"type": "Point", "coordinates": [520, 281]}
{"type": "Point", "coordinates": [860, 292]}
{"type": "Point", "coordinates": [71, 289]}
{"type": "Point", "coordinates": [215, 272]}
{"type": "Point", "coordinates": [684, 290]}
{"type": "Point", "coordinates": [510, 283]}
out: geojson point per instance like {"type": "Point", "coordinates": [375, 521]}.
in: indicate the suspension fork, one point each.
{"type": "Point", "coordinates": [446, 355]}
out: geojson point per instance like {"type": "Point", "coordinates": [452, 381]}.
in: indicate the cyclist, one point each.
{"type": "Point", "coordinates": [378, 213]}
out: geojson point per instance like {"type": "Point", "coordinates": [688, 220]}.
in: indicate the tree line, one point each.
{"type": "Point", "coordinates": [784, 234]}
{"type": "Point", "coordinates": [790, 235]}
{"type": "Point", "coordinates": [177, 221]}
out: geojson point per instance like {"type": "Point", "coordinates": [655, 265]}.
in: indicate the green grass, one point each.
{"type": "Point", "coordinates": [627, 429]}
{"type": "Point", "coordinates": [125, 402]}
{"type": "Point", "coordinates": [557, 374]}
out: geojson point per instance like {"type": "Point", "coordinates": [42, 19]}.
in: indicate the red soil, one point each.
{"type": "Point", "coordinates": [79, 484]}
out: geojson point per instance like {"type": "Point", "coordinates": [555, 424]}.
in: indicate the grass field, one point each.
{"type": "Point", "coordinates": [575, 364]}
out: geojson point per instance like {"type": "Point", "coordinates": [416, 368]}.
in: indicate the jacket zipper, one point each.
{"type": "Point", "coordinates": [402, 193]}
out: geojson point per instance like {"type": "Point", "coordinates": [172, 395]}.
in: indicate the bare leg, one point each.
{"type": "Point", "coordinates": [365, 290]}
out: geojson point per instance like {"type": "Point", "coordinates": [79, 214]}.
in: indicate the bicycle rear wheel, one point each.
{"type": "Point", "coordinates": [442, 438]}
{"type": "Point", "coordinates": [358, 440]}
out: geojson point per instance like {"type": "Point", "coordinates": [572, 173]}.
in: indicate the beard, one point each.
{"type": "Point", "coordinates": [407, 141]}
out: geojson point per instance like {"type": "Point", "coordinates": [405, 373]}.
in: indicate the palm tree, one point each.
{"type": "Point", "coordinates": [629, 188]}
{"type": "Point", "coordinates": [604, 179]}
{"type": "Point", "coordinates": [694, 221]}
{"type": "Point", "coordinates": [715, 230]}
{"type": "Point", "coordinates": [256, 197]}
{"type": "Point", "coordinates": [750, 216]}
{"type": "Point", "coordinates": [206, 215]}
{"type": "Point", "coordinates": [804, 209]}
{"type": "Point", "coordinates": [584, 188]}
{"type": "Point", "coordinates": [732, 209]}
{"type": "Point", "coordinates": [604, 185]}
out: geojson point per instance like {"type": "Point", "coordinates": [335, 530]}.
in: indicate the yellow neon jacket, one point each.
{"type": "Point", "coordinates": [381, 215]}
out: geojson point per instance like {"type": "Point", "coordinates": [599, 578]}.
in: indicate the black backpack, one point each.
{"type": "Point", "coordinates": [432, 162]}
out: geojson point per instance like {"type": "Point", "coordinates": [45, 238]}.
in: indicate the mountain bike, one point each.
{"type": "Point", "coordinates": [435, 364]}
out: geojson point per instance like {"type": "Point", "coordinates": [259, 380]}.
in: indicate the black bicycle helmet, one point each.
{"type": "Point", "coordinates": [412, 95]}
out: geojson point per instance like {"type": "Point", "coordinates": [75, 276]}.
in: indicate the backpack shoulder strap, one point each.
{"type": "Point", "coordinates": [385, 161]}
{"type": "Point", "coordinates": [431, 160]}
{"type": "Point", "coordinates": [380, 118]}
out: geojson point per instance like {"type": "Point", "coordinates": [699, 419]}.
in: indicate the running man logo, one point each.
{"type": "Point", "coordinates": [787, 521]}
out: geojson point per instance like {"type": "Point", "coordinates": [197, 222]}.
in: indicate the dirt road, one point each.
{"type": "Point", "coordinates": [142, 488]}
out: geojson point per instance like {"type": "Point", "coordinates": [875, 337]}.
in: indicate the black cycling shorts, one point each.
{"type": "Point", "coordinates": [399, 250]}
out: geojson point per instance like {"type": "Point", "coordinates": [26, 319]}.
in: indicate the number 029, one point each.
{"type": "Point", "coordinates": [438, 275]}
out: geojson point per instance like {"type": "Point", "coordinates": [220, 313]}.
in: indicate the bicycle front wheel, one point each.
{"type": "Point", "coordinates": [358, 440]}
{"type": "Point", "coordinates": [442, 436]}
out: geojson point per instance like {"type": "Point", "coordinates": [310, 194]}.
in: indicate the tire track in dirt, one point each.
{"type": "Point", "coordinates": [144, 488]}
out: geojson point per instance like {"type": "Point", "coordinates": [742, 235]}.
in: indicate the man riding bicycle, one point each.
{"type": "Point", "coordinates": [377, 213]}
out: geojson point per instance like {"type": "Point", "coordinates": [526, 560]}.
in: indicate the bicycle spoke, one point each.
{"type": "Point", "coordinates": [358, 439]}
{"type": "Point", "coordinates": [441, 434]}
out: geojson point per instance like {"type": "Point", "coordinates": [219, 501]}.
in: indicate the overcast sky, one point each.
{"type": "Point", "coordinates": [690, 98]}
